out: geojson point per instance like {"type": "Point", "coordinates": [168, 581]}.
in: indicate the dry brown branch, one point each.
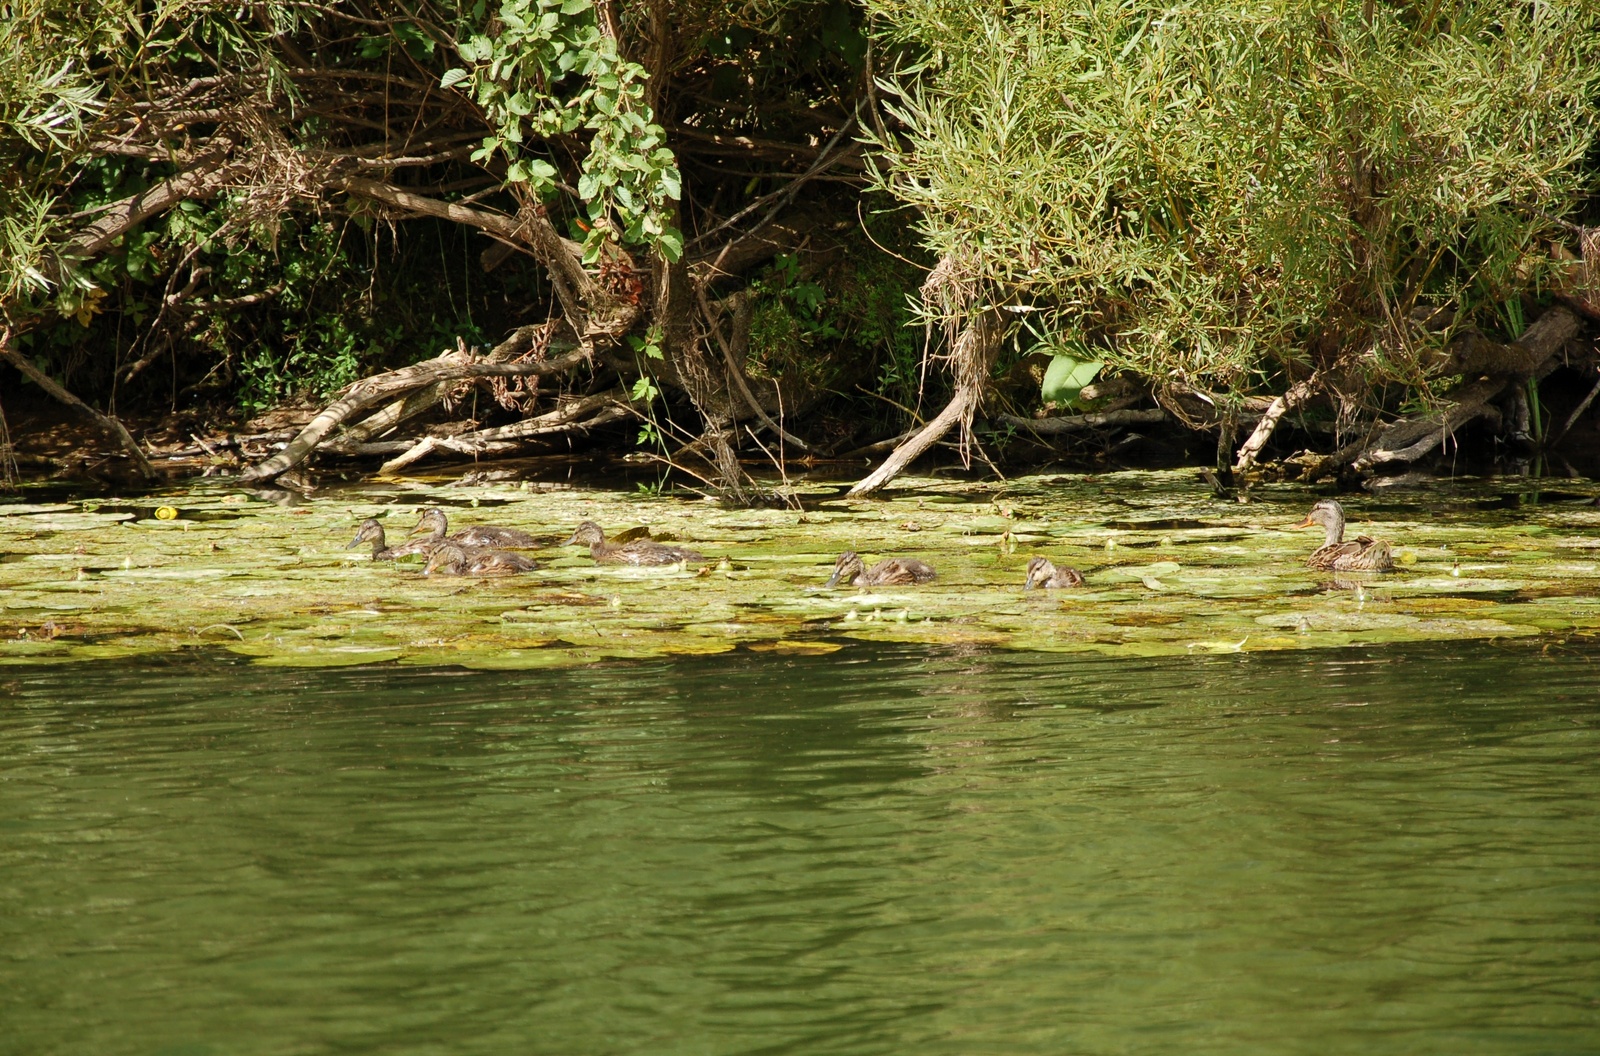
{"type": "Point", "coordinates": [976, 344]}
{"type": "Point", "coordinates": [106, 422]}
{"type": "Point", "coordinates": [1411, 439]}
{"type": "Point", "coordinates": [743, 309]}
{"type": "Point", "coordinates": [1294, 397]}
{"type": "Point", "coordinates": [208, 174]}
{"type": "Point", "coordinates": [375, 390]}
{"type": "Point", "coordinates": [1082, 423]}
{"type": "Point", "coordinates": [508, 439]}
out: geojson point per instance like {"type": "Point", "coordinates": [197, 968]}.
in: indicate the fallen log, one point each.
{"type": "Point", "coordinates": [1082, 423]}
{"type": "Point", "coordinates": [1531, 355]}
{"type": "Point", "coordinates": [1268, 423]}
{"type": "Point", "coordinates": [379, 388]}
{"type": "Point", "coordinates": [468, 444]}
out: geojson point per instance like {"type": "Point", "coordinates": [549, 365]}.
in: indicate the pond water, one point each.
{"type": "Point", "coordinates": [890, 848]}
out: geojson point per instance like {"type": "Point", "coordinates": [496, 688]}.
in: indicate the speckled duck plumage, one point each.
{"type": "Point", "coordinates": [634, 552]}
{"type": "Point", "coordinates": [891, 571]}
{"type": "Point", "coordinates": [1043, 573]}
{"type": "Point", "coordinates": [1362, 554]}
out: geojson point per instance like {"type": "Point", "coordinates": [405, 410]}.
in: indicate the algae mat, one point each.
{"type": "Point", "coordinates": [1171, 569]}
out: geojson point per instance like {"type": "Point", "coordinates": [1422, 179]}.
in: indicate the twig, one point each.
{"type": "Point", "coordinates": [41, 379]}
{"type": "Point", "coordinates": [737, 373]}
{"type": "Point", "coordinates": [782, 198]}
{"type": "Point", "coordinates": [1294, 397]}
{"type": "Point", "coordinates": [1572, 419]}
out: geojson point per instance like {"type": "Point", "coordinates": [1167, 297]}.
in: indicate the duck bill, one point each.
{"type": "Point", "coordinates": [574, 541]}
{"type": "Point", "coordinates": [1307, 523]}
{"type": "Point", "coordinates": [1030, 584]}
{"type": "Point", "coordinates": [357, 541]}
{"type": "Point", "coordinates": [833, 580]}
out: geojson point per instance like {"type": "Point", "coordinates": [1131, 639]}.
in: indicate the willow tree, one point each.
{"type": "Point", "coordinates": [1301, 200]}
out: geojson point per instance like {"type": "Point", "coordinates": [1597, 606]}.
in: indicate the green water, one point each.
{"type": "Point", "coordinates": [883, 850]}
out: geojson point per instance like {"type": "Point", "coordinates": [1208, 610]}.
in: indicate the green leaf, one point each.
{"type": "Point", "coordinates": [453, 77]}
{"type": "Point", "coordinates": [670, 243]}
{"type": "Point", "coordinates": [644, 391]}
{"type": "Point", "coordinates": [573, 7]}
{"type": "Point", "coordinates": [1065, 378]}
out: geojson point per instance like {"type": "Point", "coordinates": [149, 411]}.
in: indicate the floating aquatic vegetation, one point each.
{"type": "Point", "coordinates": [1170, 570]}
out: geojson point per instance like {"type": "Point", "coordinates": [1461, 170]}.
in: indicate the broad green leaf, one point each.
{"type": "Point", "coordinates": [1066, 377]}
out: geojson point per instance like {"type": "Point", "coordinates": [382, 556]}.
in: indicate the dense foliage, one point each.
{"type": "Point", "coordinates": [1207, 192]}
{"type": "Point", "coordinates": [732, 204]}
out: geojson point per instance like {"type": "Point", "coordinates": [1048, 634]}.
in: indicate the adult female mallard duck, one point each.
{"type": "Point", "coordinates": [1363, 554]}
{"type": "Point", "coordinates": [434, 522]}
{"type": "Point", "coordinates": [891, 571]}
{"type": "Point", "coordinates": [1042, 573]}
{"type": "Point", "coordinates": [452, 560]}
{"type": "Point", "coordinates": [372, 532]}
{"type": "Point", "coordinates": [634, 552]}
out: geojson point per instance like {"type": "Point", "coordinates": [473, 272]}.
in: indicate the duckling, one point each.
{"type": "Point", "coordinates": [452, 560]}
{"type": "Point", "coordinates": [371, 531]}
{"type": "Point", "coordinates": [1042, 573]}
{"type": "Point", "coordinates": [635, 552]}
{"type": "Point", "coordinates": [891, 571]}
{"type": "Point", "coordinates": [1363, 554]}
{"type": "Point", "coordinates": [434, 522]}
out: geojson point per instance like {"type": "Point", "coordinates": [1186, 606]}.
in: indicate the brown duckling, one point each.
{"type": "Point", "coordinates": [371, 531]}
{"type": "Point", "coordinates": [891, 571]}
{"type": "Point", "coordinates": [434, 522]}
{"type": "Point", "coordinates": [634, 552]}
{"type": "Point", "coordinates": [452, 560]}
{"type": "Point", "coordinates": [1363, 554]}
{"type": "Point", "coordinates": [1042, 573]}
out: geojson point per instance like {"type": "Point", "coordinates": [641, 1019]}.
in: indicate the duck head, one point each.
{"type": "Point", "coordinates": [433, 522]}
{"type": "Point", "coordinates": [370, 531]}
{"type": "Point", "coordinates": [1330, 515]}
{"type": "Point", "coordinates": [847, 568]}
{"type": "Point", "coordinates": [1039, 570]}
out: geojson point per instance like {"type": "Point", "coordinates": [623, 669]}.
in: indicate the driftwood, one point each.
{"type": "Point", "coordinates": [106, 422]}
{"type": "Point", "coordinates": [1532, 355]}
{"type": "Point", "coordinates": [381, 387]}
{"type": "Point", "coordinates": [1082, 423]}
{"type": "Point", "coordinates": [505, 439]}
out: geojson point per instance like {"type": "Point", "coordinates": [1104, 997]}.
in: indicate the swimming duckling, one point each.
{"type": "Point", "coordinates": [634, 552]}
{"type": "Point", "coordinates": [371, 531]}
{"type": "Point", "coordinates": [891, 571]}
{"type": "Point", "coordinates": [1363, 554]}
{"type": "Point", "coordinates": [1042, 573]}
{"type": "Point", "coordinates": [452, 560]}
{"type": "Point", "coordinates": [434, 522]}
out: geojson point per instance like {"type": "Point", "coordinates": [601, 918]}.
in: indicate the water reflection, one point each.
{"type": "Point", "coordinates": [873, 851]}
